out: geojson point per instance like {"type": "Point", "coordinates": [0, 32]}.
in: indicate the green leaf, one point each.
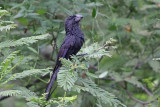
{"type": "Point", "coordinates": [155, 65]}
{"type": "Point", "coordinates": [33, 50]}
{"type": "Point", "coordinates": [7, 27]}
{"type": "Point", "coordinates": [6, 68]}
{"type": "Point", "coordinates": [66, 79]}
{"type": "Point", "coordinates": [41, 11]}
{"type": "Point", "coordinates": [23, 41]}
{"type": "Point", "coordinates": [94, 51]}
{"type": "Point", "coordinates": [66, 63]}
{"type": "Point", "coordinates": [91, 75]}
{"type": "Point", "coordinates": [104, 74]}
{"type": "Point", "coordinates": [79, 88]}
{"type": "Point", "coordinates": [10, 93]}
{"type": "Point", "coordinates": [23, 20]}
{"type": "Point", "coordinates": [94, 13]}
{"type": "Point", "coordinates": [68, 98]}
{"type": "Point", "coordinates": [94, 4]}
{"type": "Point", "coordinates": [26, 93]}
{"type": "Point", "coordinates": [3, 12]}
{"type": "Point", "coordinates": [133, 80]}
{"type": "Point", "coordinates": [102, 95]}
{"type": "Point", "coordinates": [30, 73]}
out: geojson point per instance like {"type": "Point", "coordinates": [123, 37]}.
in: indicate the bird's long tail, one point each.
{"type": "Point", "coordinates": [49, 87]}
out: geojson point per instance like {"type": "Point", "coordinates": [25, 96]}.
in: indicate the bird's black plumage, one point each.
{"type": "Point", "coordinates": [71, 45]}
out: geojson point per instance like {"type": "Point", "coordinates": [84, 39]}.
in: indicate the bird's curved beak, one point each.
{"type": "Point", "coordinates": [78, 17]}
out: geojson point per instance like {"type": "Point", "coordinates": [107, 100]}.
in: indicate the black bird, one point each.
{"type": "Point", "coordinates": [71, 45]}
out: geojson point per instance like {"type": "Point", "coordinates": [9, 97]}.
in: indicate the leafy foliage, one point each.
{"type": "Point", "coordinates": [102, 95]}
{"type": "Point", "coordinates": [11, 62]}
{"type": "Point", "coordinates": [31, 72]}
{"type": "Point", "coordinates": [25, 93]}
{"type": "Point", "coordinates": [67, 79]}
{"type": "Point", "coordinates": [23, 41]}
{"type": "Point", "coordinates": [94, 51]}
{"type": "Point", "coordinates": [5, 67]}
{"type": "Point", "coordinates": [120, 57]}
{"type": "Point", "coordinates": [5, 25]}
{"type": "Point", "coordinates": [10, 93]}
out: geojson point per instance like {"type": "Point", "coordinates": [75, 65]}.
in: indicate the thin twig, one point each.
{"type": "Point", "coordinates": [133, 98]}
{"type": "Point", "coordinates": [139, 101]}
{"type": "Point", "coordinates": [129, 93]}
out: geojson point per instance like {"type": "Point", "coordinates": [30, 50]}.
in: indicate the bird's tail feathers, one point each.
{"type": "Point", "coordinates": [49, 87]}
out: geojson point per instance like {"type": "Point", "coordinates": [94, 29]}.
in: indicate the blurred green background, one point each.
{"type": "Point", "coordinates": [134, 68]}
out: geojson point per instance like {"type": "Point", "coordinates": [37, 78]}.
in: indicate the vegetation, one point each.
{"type": "Point", "coordinates": [121, 67]}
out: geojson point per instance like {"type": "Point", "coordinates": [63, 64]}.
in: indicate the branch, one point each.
{"type": "Point", "coordinates": [128, 92]}
{"type": "Point", "coordinates": [139, 101]}
{"type": "Point", "coordinates": [147, 91]}
{"type": "Point", "coordinates": [133, 98]}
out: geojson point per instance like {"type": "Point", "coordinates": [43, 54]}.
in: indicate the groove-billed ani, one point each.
{"type": "Point", "coordinates": [71, 45]}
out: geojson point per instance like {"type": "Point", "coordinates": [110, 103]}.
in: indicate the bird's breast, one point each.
{"type": "Point", "coordinates": [79, 42]}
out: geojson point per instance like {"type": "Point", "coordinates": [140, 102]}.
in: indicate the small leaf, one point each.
{"type": "Point", "coordinates": [93, 4]}
{"type": "Point", "coordinates": [10, 93]}
{"type": "Point", "coordinates": [91, 75]}
{"type": "Point", "coordinates": [68, 98]}
{"type": "Point", "coordinates": [66, 11]}
{"type": "Point", "coordinates": [94, 13]}
{"type": "Point", "coordinates": [155, 65]}
{"type": "Point", "coordinates": [67, 79]}
{"type": "Point", "coordinates": [41, 11]}
{"type": "Point", "coordinates": [104, 74]}
{"type": "Point", "coordinates": [79, 88]}
{"type": "Point", "coordinates": [23, 20]}
{"type": "Point", "coordinates": [33, 50]}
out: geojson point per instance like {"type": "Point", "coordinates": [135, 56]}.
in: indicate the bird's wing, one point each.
{"type": "Point", "coordinates": [67, 48]}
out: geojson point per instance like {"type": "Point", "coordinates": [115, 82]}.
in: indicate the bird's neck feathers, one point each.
{"type": "Point", "coordinates": [73, 30]}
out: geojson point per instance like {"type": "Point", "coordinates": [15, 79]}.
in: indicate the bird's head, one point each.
{"type": "Point", "coordinates": [73, 20]}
